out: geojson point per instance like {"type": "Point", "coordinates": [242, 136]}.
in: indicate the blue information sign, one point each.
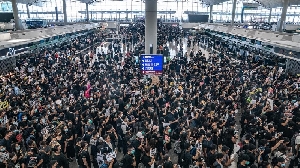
{"type": "Point", "coordinates": [152, 64]}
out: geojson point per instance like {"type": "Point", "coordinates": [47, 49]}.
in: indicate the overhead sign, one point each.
{"type": "Point", "coordinates": [250, 6]}
{"type": "Point", "coordinates": [152, 64]}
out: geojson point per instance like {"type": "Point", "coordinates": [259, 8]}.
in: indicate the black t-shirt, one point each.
{"type": "Point", "coordinates": [7, 144]}
{"type": "Point", "coordinates": [128, 161]}
{"type": "Point", "coordinates": [85, 154]}
{"type": "Point", "coordinates": [145, 160]}
{"type": "Point", "coordinates": [241, 166]}
{"type": "Point", "coordinates": [32, 161]}
{"type": "Point", "coordinates": [61, 160]}
{"type": "Point", "coordinates": [136, 144]}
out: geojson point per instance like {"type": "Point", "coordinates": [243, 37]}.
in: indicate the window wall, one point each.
{"type": "Point", "coordinates": [115, 10]}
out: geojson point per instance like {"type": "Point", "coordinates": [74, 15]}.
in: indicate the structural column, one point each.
{"type": "Point", "coordinates": [87, 11]}
{"type": "Point", "coordinates": [211, 13]}
{"type": "Point", "coordinates": [270, 15]}
{"type": "Point", "coordinates": [233, 12]}
{"type": "Point", "coordinates": [283, 15]}
{"type": "Point", "coordinates": [56, 14]}
{"type": "Point", "coordinates": [150, 26]}
{"type": "Point", "coordinates": [18, 24]}
{"type": "Point", "coordinates": [65, 11]}
{"type": "Point", "coordinates": [28, 12]}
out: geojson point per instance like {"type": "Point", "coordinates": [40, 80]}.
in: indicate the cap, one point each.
{"type": "Point", "coordinates": [139, 135]}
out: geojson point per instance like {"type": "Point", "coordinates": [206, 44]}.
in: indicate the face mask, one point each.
{"type": "Point", "coordinates": [18, 148]}
{"type": "Point", "coordinates": [283, 165]}
{"type": "Point", "coordinates": [66, 130]}
{"type": "Point", "coordinates": [247, 162]}
{"type": "Point", "coordinates": [132, 152]}
{"type": "Point", "coordinates": [2, 149]}
{"type": "Point", "coordinates": [178, 108]}
{"type": "Point", "coordinates": [169, 130]}
{"type": "Point", "coordinates": [181, 98]}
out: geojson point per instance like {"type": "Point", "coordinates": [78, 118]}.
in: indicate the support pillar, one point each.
{"type": "Point", "coordinates": [28, 12]}
{"type": "Point", "coordinates": [65, 11]}
{"type": "Point", "coordinates": [210, 13]}
{"type": "Point", "coordinates": [283, 15]}
{"type": "Point", "coordinates": [150, 26]}
{"type": "Point", "coordinates": [233, 12]}
{"type": "Point", "coordinates": [270, 15]}
{"type": "Point", "coordinates": [87, 11]}
{"type": "Point", "coordinates": [18, 25]}
{"type": "Point", "coordinates": [56, 14]}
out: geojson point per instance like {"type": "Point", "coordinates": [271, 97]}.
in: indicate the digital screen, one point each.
{"type": "Point", "coordinates": [151, 64]}
{"type": "Point", "coordinates": [6, 16]}
{"type": "Point", "coordinates": [198, 18]}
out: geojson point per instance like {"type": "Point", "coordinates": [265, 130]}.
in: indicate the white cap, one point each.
{"type": "Point", "coordinates": [139, 135]}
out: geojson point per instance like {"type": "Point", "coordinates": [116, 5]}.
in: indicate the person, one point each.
{"type": "Point", "coordinates": [60, 157]}
{"type": "Point", "coordinates": [244, 161]}
{"type": "Point", "coordinates": [147, 160]}
{"type": "Point", "coordinates": [129, 159]}
{"type": "Point", "coordinates": [53, 164]}
{"type": "Point", "coordinates": [66, 99]}
{"type": "Point", "coordinates": [84, 157]}
{"type": "Point", "coordinates": [218, 161]}
{"type": "Point", "coordinates": [33, 160]}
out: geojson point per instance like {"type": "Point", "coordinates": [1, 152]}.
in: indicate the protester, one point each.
{"type": "Point", "coordinates": [67, 107]}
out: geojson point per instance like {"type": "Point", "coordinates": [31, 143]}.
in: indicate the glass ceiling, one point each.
{"type": "Point", "coordinates": [116, 10]}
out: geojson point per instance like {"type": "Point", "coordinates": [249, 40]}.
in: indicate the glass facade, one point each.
{"type": "Point", "coordinates": [130, 9]}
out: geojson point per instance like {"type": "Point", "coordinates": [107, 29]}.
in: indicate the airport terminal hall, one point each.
{"type": "Point", "coordinates": [149, 83]}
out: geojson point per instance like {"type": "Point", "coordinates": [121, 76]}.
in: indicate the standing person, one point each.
{"type": "Point", "coordinates": [186, 157]}
{"type": "Point", "coordinates": [70, 150]}
{"type": "Point", "coordinates": [60, 157]}
{"type": "Point", "coordinates": [84, 160]}
{"type": "Point", "coordinates": [138, 144]}
{"type": "Point", "coordinates": [129, 159]}
{"type": "Point", "coordinates": [33, 160]}
{"type": "Point", "coordinates": [218, 162]}
{"type": "Point", "coordinates": [53, 164]}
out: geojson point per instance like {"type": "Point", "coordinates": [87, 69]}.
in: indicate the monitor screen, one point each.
{"type": "Point", "coordinates": [6, 16]}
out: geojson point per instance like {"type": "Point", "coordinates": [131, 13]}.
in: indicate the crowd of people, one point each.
{"type": "Point", "coordinates": [97, 110]}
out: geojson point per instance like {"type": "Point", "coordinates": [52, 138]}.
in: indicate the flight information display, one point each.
{"type": "Point", "coordinates": [152, 64]}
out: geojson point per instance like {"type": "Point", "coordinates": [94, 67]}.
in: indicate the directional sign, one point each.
{"type": "Point", "coordinates": [152, 64]}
